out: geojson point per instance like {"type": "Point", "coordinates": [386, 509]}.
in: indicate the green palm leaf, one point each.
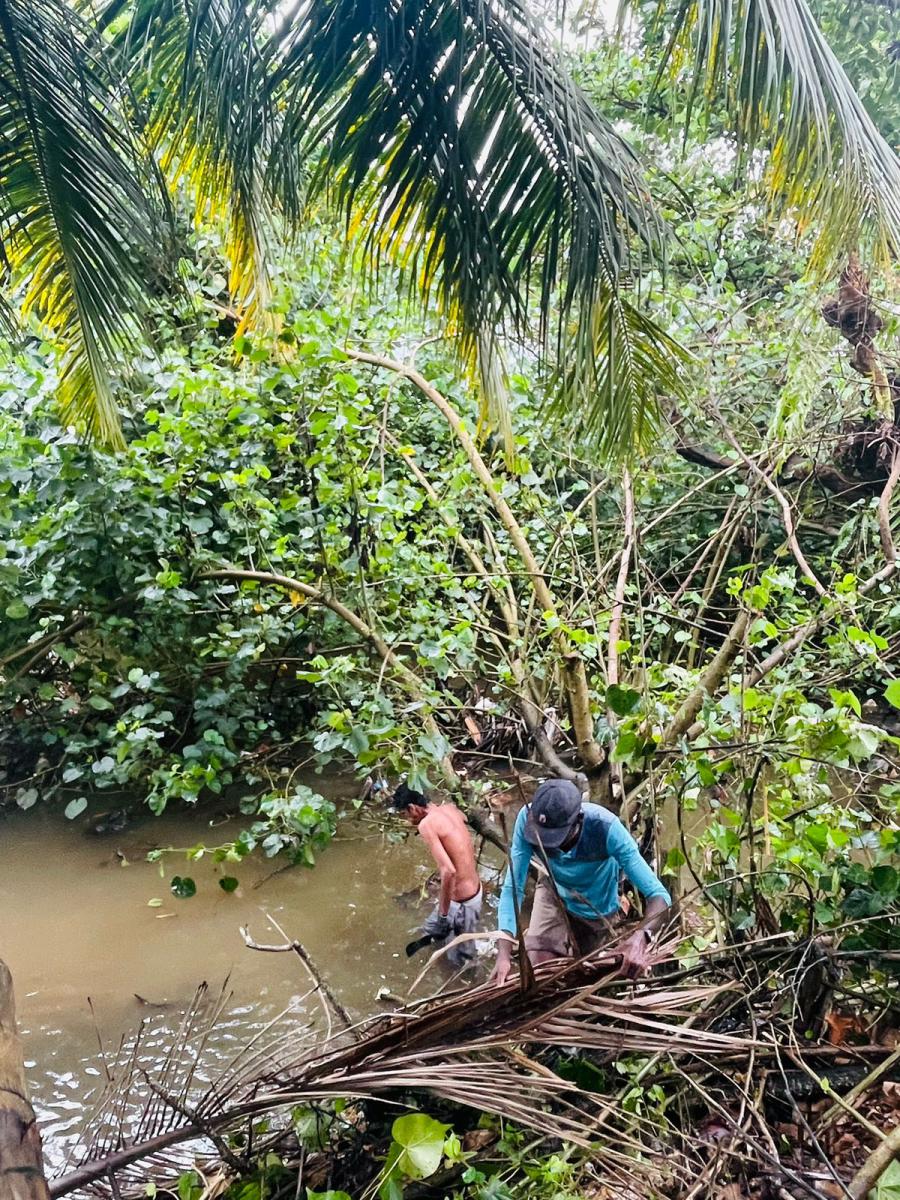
{"type": "Point", "coordinates": [785, 90]}
{"type": "Point", "coordinates": [451, 136]}
{"type": "Point", "coordinates": [199, 73]}
{"type": "Point", "coordinates": [75, 219]}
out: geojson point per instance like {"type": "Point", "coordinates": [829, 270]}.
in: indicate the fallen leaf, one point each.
{"type": "Point", "coordinates": [842, 1024]}
{"type": "Point", "coordinates": [474, 729]}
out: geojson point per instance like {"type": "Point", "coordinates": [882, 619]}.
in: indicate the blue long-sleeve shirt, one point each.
{"type": "Point", "coordinates": [591, 868]}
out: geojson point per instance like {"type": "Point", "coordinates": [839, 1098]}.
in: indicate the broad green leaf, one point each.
{"type": "Point", "coordinates": [888, 1186]}
{"type": "Point", "coordinates": [420, 1139]}
{"type": "Point", "coordinates": [622, 700]}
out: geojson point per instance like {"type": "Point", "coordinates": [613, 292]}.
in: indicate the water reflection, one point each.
{"type": "Point", "coordinates": [92, 959]}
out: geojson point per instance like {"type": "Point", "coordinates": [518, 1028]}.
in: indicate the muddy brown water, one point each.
{"type": "Point", "coordinates": [84, 934]}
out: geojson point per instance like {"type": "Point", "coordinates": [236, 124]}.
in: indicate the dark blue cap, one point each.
{"type": "Point", "coordinates": [554, 810]}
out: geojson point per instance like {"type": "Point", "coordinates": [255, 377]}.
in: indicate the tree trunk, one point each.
{"type": "Point", "coordinates": [21, 1166]}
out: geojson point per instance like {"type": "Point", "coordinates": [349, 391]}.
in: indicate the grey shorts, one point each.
{"type": "Point", "coordinates": [464, 916]}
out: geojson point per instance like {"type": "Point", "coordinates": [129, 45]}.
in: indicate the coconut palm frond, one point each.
{"type": "Point", "coordinates": [623, 359]}
{"type": "Point", "coordinates": [457, 146]}
{"type": "Point", "coordinates": [76, 212]}
{"type": "Point", "coordinates": [465, 1047]}
{"type": "Point", "coordinates": [785, 91]}
{"type": "Point", "coordinates": [199, 72]}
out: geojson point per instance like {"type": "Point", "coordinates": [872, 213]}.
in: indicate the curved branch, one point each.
{"type": "Point", "coordinates": [408, 678]}
{"type": "Point", "coordinates": [575, 674]}
{"type": "Point", "coordinates": [783, 502]}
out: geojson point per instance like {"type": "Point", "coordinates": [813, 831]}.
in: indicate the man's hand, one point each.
{"type": "Point", "coordinates": [635, 956]}
{"type": "Point", "coordinates": [503, 966]}
{"type": "Point", "coordinates": [442, 926]}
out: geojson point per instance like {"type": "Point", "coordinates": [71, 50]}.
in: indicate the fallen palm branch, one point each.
{"type": "Point", "coordinates": [458, 1047]}
{"type": "Point", "coordinates": [496, 1050]}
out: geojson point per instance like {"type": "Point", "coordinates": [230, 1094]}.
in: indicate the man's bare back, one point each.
{"type": "Point", "coordinates": [458, 910]}
{"type": "Point", "coordinates": [446, 834]}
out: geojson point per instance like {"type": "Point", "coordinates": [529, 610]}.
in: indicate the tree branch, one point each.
{"type": "Point", "coordinates": [709, 680]}
{"type": "Point", "coordinates": [575, 674]}
{"type": "Point", "coordinates": [616, 778]}
{"type": "Point", "coordinates": [786, 514]}
{"type": "Point", "coordinates": [410, 681]}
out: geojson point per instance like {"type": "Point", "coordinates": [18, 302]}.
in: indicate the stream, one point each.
{"type": "Point", "coordinates": [97, 942]}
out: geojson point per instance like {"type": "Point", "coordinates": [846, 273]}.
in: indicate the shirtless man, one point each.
{"type": "Point", "coordinates": [443, 829]}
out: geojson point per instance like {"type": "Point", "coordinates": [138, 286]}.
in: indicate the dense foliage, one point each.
{"type": "Point", "coordinates": [331, 540]}
{"type": "Point", "coordinates": [127, 671]}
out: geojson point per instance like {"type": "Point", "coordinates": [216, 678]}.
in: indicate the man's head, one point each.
{"type": "Point", "coordinates": [413, 803]}
{"type": "Point", "coordinates": [554, 815]}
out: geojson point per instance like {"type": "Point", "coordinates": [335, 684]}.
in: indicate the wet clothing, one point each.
{"type": "Point", "coordinates": [587, 876]}
{"type": "Point", "coordinates": [463, 916]}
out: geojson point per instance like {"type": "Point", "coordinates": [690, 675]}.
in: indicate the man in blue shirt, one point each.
{"type": "Point", "coordinates": [584, 846]}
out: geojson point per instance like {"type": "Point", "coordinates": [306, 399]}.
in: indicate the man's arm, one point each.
{"type": "Point", "coordinates": [511, 897]}
{"type": "Point", "coordinates": [622, 846]}
{"type": "Point", "coordinates": [444, 864]}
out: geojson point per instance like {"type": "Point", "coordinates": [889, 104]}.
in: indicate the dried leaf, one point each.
{"type": "Point", "coordinates": [842, 1024]}
{"type": "Point", "coordinates": [477, 1139]}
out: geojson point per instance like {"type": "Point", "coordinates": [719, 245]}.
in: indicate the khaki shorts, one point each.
{"type": "Point", "coordinates": [554, 930]}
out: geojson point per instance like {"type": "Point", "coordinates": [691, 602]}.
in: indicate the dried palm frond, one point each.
{"type": "Point", "coordinates": [463, 1047]}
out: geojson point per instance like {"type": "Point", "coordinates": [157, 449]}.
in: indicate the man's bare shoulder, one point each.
{"type": "Point", "coordinates": [448, 819]}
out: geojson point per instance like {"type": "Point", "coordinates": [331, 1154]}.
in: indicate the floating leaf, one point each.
{"type": "Point", "coordinates": [76, 807]}
{"type": "Point", "coordinates": [183, 887]}
{"type": "Point", "coordinates": [228, 883]}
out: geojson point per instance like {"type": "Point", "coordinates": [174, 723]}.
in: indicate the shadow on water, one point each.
{"type": "Point", "coordinates": [84, 941]}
